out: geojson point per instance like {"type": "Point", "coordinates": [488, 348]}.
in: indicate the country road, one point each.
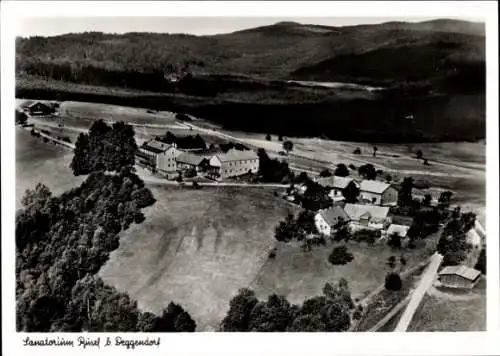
{"type": "Point", "coordinates": [425, 283]}
{"type": "Point", "coordinates": [153, 180]}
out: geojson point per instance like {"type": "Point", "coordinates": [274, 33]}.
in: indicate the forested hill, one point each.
{"type": "Point", "coordinates": [284, 50]}
{"type": "Point", "coordinates": [433, 71]}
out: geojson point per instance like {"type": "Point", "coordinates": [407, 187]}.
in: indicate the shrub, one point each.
{"type": "Point", "coordinates": [393, 282]}
{"type": "Point", "coordinates": [394, 241]}
{"type": "Point", "coordinates": [340, 256]}
{"type": "Point", "coordinates": [341, 170]}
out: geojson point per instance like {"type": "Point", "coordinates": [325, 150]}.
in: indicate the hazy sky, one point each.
{"type": "Point", "coordinates": [192, 25]}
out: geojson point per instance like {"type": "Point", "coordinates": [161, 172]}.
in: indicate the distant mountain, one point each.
{"type": "Point", "coordinates": [286, 50]}
{"type": "Point", "coordinates": [433, 71]}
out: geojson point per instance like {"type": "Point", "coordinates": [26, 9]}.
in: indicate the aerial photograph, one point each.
{"type": "Point", "coordinates": [250, 174]}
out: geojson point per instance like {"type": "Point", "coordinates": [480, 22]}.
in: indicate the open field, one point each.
{"type": "Point", "coordinates": [459, 167]}
{"type": "Point", "coordinates": [300, 275]}
{"type": "Point", "coordinates": [196, 247]}
{"type": "Point", "coordinates": [455, 312]}
{"type": "Point", "coordinates": [37, 161]}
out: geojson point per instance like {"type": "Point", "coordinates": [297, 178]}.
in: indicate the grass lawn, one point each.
{"type": "Point", "coordinates": [37, 161]}
{"type": "Point", "coordinates": [299, 275]}
{"type": "Point", "coordinates": [442, 314]}
{"type": "Point", "coordinates": [197, 248]}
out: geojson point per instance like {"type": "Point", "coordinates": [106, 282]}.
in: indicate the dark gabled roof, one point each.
{"type": "Point", "coordinates": [190, 158]}
{"type": "Point", "coordinates": [332, 214]}
{"type": "Point", "coordinates": [462, 271]}
{"type": "Point", "coordinates": [156, 146]}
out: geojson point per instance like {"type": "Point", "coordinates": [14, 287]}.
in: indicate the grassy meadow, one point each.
{"type": "Point", "coordinates": [37, 161]}
{"type": "Point", "coordinates": [439, 313]}
{"type": "Point", "coordinates": [196, 247]}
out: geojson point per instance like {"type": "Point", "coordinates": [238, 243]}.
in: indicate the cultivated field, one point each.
{"type": "Point", "coordinates": [37, 161]}
{"type": "Point", "coordinates": [196, 247]}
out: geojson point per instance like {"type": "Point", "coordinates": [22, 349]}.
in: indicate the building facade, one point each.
{"type": "Point", "coordinates": [231, 164]}
{"type": "Point", "coordinates": [459, 277]}
{"type": "Point", "coordinates": [378, 193]}
{"type": "Point", "coordinates": [166, 162]}
{"type": "Point", "coordinates": [41, 109]}
{"type": "Point", "coordinates": [326, 220]}
{"type": "Point", "coordinates": [149, 155]}
{"type": "Point", "coordinates": [367, 216]}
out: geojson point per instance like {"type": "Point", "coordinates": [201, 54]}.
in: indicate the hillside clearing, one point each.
{"type": "Point", "coordinates": [196, 247]}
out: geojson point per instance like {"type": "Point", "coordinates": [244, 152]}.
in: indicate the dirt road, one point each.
{"type": "Point", "coordinates": [425, 283]}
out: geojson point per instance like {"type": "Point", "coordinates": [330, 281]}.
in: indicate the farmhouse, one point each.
{"type": "Point", "coordinates": [190, 162]}
{"type": "Point", "coordinates": [40, 109]}
{"type": "Point", "coordinates": [156, 154]}
{"type": "Point", "coordinates": [336, 185]}
{"type": "Point", "coordinates": [367, 216]}
{"type": "Point", "coordinates": [378, 193]}
{"type": "Point", "coordinates": [325, 220]}
{"type": "Point", "coordinates": [233, 163]}
{"type": "Point", "coordinates": [459, 276]}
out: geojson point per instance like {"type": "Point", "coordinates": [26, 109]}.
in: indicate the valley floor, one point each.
{"type": "Point", "coordinates": [198, 247]}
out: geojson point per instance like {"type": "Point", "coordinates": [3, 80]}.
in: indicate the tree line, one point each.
{"type": "Point", "coordinates": [63, 241]}
{"type": "Point", "coordinates": [329, 312]}
{"type": "Point", "coordinates": [104, 148]}
{"type": "Point", "coordinates": [184, 142]}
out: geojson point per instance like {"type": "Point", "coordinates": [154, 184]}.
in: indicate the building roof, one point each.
{"type": "Point", "coordinates": [462, 271]}
{"type": "Point", "coordinates": [334, 182]}
{"type": "Point", "coordinates": [39, 104]}
{"type": "Point", "coordinates": [237, 155]}
{"type": "Point", "coordinates": [373, 186]}
{"type": "Point", "coordinates": [401, 230]}
{"type": "Point", "coordinates": [189, 158]}
{"type": "Point", "coordinates": [356, 211]}
{"type": "Point", "coordinates": [332, 214]}
{"type": "Point", "coordinates": [156, 146]}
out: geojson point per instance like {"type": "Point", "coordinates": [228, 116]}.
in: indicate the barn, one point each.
{"type": "Point", "coordinates": [459, 276]}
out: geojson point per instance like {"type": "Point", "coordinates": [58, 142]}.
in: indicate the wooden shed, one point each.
{"type": "Point", "coordinates": [459, 276]}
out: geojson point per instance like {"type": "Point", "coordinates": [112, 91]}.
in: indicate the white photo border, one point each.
{"type": "Point", "coordinates": [472, 343]}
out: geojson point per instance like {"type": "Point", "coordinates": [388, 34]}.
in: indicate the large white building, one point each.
{"type": "Point", "coordinates": [378, 193]}
{"type": "Point", "coordinates": [233, 163]}
{"type": "Point", "coordinates": [158, 156]}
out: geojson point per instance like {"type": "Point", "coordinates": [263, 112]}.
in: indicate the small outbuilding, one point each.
{"type": "Point", "coordinates": [459, 276]}
{"type": "Point", "coordinates": [41, 109]}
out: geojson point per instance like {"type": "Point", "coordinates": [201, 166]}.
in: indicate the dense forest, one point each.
{"type": "Point", "coordinates": [63, 241]}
